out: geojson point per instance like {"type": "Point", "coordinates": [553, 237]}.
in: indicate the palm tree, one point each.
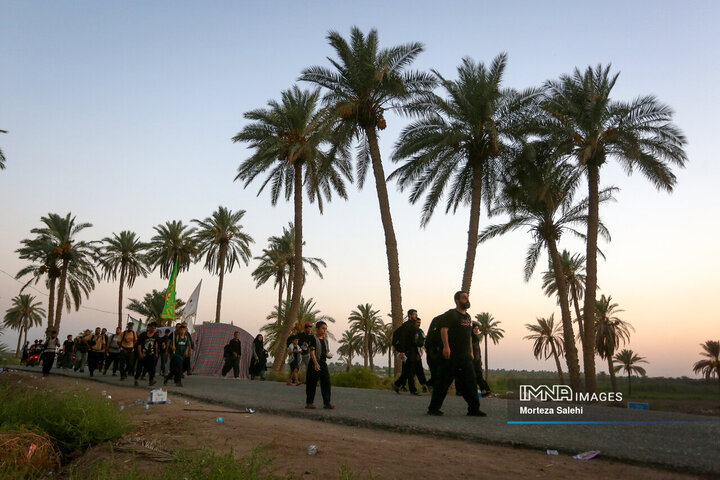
{"type": "Point", "coordinates": [222, 239]}
{"type": "Point", "coordinates": [573, 269]}
{"type": "Point", "coordinates": [57, 240]}
{"type": "Point", "coordinates": [2, 155]}
{"type": "Point", "coordinates": [287, 138]}
{"type": "Point", "coordinates": [629, 362]}
{"type": "Point", "coordinates": [489, 329]}
{"type": "Point", "coordinates": [610, 332]}
{"type": "Point", "coordinates": [40, 251]}
{"type": "Point", "coordinates": [711, 365]}
{"type": "Point", "coordinates": [537, 193]}
{"type": "Point", "coordinates": [278, 260]}
{"type": "Point", "coordinates": [24, 314]}
{"type": "Point", "coordinates": [174, 242]}
{"type": "Point", "coordinates": [452, 150]}
{"type": "Point", "coordinates": [639, 134]}
{"type": "Point", "coordinates": [364, 82]}
{"type": "Point", "coordinates": [273, 331]}
{"type": "Point", "coordinates": [384, 344]}
{"type": "Point", "coordinates": [152, 305]}
{"type": "Point", "coordinates": [122, 255]}
{"type": "Point", "coordinates": [548, 339]}
{"type": "Point", "coordinates": [350, 344]}
{"type": "Point", "coordinates": [367, 323]}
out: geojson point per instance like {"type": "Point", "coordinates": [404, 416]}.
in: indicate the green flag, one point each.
{"type": "Point", "coordinates": [169, 309]}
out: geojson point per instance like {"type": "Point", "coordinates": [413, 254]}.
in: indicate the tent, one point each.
{"type": "Point", "coordinates": [210, 339]}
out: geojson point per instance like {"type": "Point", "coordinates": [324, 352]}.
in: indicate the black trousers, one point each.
{"type": "Point", "coordinates": [323, 375]}
{"type": "Point", "coordinates": [146, 365]}
{"type": "Point", "coordinates": [95, 361]}
{"type": "Point", "coordinates": [458, 369]}
{"type": "Point", "coordinates": [48, 358]}
{"type": "Point", "coordinates": [112, 358]}
{"type": "Point", "coordinates": [176, 368]}
{"type": "Point", "coordinates": [481, 383]}
{"type": "Point", "coordinates": [127, 362]}
{"type": "Point", "coordinates": [234, 363]}
{"type": "Point", "coordinates": [409, 368]}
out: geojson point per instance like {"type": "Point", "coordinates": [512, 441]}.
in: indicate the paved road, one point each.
{"type": "Point", "coordinates": [691, 447]}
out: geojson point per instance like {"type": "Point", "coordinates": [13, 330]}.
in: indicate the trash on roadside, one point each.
{"type": "Point", "coordinates": [104, 393]}
{"type": "Point", "coordinates": [30, 453]}
{"type": "Point", "coordinates": [249, 410]}
{"type": "Point", "coordinates": [312, 450]}
{"type": "Point", "coordinates": [159, 395]}
{"type": "Point", "coordinates": [147, 407]}
{"type": "Point", "coordinates": [220, 420]}
{"type": "Point", "coordinates": [109, 397]}
{"type": "Point", "coordinates": [587, 455]}
{"type": "Point", "coordinates": [187, 402]}
{"type": "Point", "coordinates": [552, 452]}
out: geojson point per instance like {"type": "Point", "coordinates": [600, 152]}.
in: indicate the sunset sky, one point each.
{"type": "Point", "coordinates": [122, 113]}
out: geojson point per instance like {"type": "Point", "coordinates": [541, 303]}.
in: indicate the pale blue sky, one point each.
{"type": "Point", "coordinates": [122, 113]}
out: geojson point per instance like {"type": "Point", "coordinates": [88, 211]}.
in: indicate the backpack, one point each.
{"type": "Point", "coordinates": [398, 337]}
{"type": "Point", "coordinates": [433, 342]}
{"type": "Point", "coordinates": [226, 351]}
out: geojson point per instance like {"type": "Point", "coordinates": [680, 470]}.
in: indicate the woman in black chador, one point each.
{"type": "Point", "coordinates": [258, 363]}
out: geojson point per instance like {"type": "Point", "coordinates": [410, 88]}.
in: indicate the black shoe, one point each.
{"type": "Point", "coordinates": [136, 383]}
{"type": "Point", "coordinates": [435, 413]}
{"type": "Point", "coordinates": [329, 406]}
{"type": "Point", "coordinates": [424, 389]}
{"type": "Point", "coordinates": [178, 383]}
{"type": "Point", "coordinates": [396, 388]}
{"type": "Point", "coordinates": [403, 389]}
{"type": "Point", "coordinates": [478, 413]}
{"type": "Point", "coordinates": [415, 393]}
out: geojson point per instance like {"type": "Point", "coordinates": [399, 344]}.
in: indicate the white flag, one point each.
{"type": "Point", "coordinates": [191, 305]}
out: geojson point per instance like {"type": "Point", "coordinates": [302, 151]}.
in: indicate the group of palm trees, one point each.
{"type": "Point", "coordinates": [69, 267]}
{"type": "Point", "coordinates": [523, 153]}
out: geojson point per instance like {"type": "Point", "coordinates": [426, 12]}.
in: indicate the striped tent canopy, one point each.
{"type": "Point", "coordinates": [210, 339]}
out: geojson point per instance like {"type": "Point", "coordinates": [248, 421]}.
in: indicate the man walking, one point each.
{"type": "Point", "coordinates": [97, 351]}
{"type": "Point", "coordinates": [112, 351]}
{"type": "Point", "coordinates": [67, 352]}
{"type": "Point", "coordinates": [147, 352]}
{"type": "Point", "coordinates": [128, 340]}
{"type": "Point", "coordinates": [455, 328]}
{"type": "Point", "coordinates": [50, 349]}
{"type": "Point", "coordinates": [404, 343]}
{"type": "Point", "coordinates": [179, 347]}
{"type": "Point", "coordinates": [304, 339]}
{"type": "Point", "coordinates": [319, 353]}
{"type": "Point", "coordinates": [232, 353]}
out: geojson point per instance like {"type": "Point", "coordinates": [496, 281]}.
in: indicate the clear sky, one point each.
{"type": "Point", "coordinates": [122, 113]}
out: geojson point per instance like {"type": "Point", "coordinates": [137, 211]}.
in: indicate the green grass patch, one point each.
{"type": "Point", "coordinates": [358, 377]}
{"type": "Point", "coordinates": [73, 419]}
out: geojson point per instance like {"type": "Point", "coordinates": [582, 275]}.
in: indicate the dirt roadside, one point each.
{"type": "Point", "coordinates": [367, 453]}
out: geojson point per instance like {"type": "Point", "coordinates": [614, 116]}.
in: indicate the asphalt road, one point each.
{"type": "Point", "coordinates": [691, 447]}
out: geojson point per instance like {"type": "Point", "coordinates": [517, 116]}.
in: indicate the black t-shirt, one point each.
{"type": "Point", "coordinates": [304, 340]}
{"type": "Point", "coordinates": [147, 344]}
{"type": "Point", "coordinates": [233, 346]}
{"type": "Point", "coordinates": [459, 332]}
{"type": "Point", "coordinates": [68, 346]}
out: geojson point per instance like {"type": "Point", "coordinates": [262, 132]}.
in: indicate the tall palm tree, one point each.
{"type": "Point", "coordinates": [628, 361]}
{"type": "Point", "coordinates": [451, 151]}
{"type": "Point", "coordinates": [367, 323]}
{"type": "Point", "coordinates": [362, 84]}
{"type": "Point", "coordinates": [573, 269]}
{"type": "Point", "coordinates": [610, 332]}
{"type": "Point", "coordinates": [74, 259]}
{"type": "Point", "coordinates": [287, 138]}
{"type": "Point", "coordinates": [350, 344]}
{"type": "Point", "coordinates": [489, 328]}
{"type": "Point", "coordinates": [174, 242]}
{"type": "Point", "coordinates": [222, 239]}
{"type": "Point", "coordinates": [639, 134]}
{"type": "Point", "coordinates": [24, 314]}
{"type": "Point", "coordinates": [122, 255]}
{"type": "Point", "coordinates": [2, 155]}
{"type": "Point", "coordinates": [152, 305]}
{"type": "Point", "coordinates": [537, 193]}
{"type": "Point", "coordinates": [278, 260]}
{"type": "Point", "coordinates": [273, 331]}
{"type": "Point", "coordinates": [711, 365]}
{"type": "Point", "coordinates": [548, 340]}
{"type": "Point", "coordinates": [45, 265]}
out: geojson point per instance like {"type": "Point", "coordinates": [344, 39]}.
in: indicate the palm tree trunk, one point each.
{"type": "Point", "coordinates": [291, 273]}
{"type": "Point", "coordinates": [51, 307]}
{"type": "Point", "coordinates": [120, 296]}
{"type": "Point", "coordinates": [629, 384]}
{"type": "Point", "coordinates": [486, 360]}
{"type": "Point", "coordinates": [581, 329]}
{"type": "Point", "coordinates": [17, 351]}
{"type": "Point", "coordinates": [280, 295]}
{"type": "Point", "coordinates": [365, 350]}
{"type": "Point", "coordinates": [390, 240]}
{"type": "Point", "coordinates": [593, 173]}
{"type": "Point", "coordinates": [61, 294]}
{"type": "Point", "coordinates": [557, 364]}
{"type": "Point", "coordinates": [371, 354]}
{"type": "Point", "coordinates": [472, 242]}
{"type": "Point", "coordinates": [390, 362]}
{"type": "Point", "coordinates": [221, 267]}
{"type": "Point", "coordinates": [297, 273]}
{"type": "Point", "coordinates": [613, 381]}
{"type": "Point", "coordinates": [26, 332]}
{"type": "Point", "coordinates": [571, 353]}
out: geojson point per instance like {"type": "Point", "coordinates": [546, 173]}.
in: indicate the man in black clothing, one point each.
{"type": "Point", "coordinates": [50, 349]}
{"type": "Point", "coordinates": [304, 339]}
{"type": "Point", "coordinates": [318, 369]}
{"type": "Point", "coordinates": [232, 353]}
{"type": "Point", "coordinates": [408, 353]}
{"type": "Point", "coordinates": [67, 352]}
{"type": "Point", "coordinates": [455, 363]}
{"type": "Point", "coordinates": [147, 354]}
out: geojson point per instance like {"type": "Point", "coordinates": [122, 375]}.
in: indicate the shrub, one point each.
{"type": "Point", "coordinates": [358, 377]}
{"type": "Point", "coordinates": [72, 419]}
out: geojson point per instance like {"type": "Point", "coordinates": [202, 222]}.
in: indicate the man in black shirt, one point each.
{"type": "Point", "coordinates": [456, 361]}
{"type": "Point", "coordinates": [147, 351]}
{"type": "Point", "coordinates": [231, 353]}
{"type": "Point", "coordinates": [318, 369]}
{"type": "Point", "coordinates": [304, 339]}
{"type": "Point", "coordinates": [408, 353]}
